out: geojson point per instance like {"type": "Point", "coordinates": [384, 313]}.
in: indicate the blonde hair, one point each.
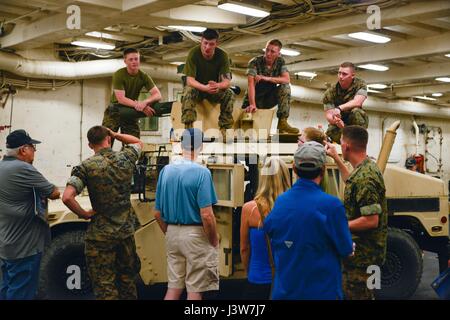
{"type": "Point", "coordinates": [274, 180]}
{"type": "Point", "coordinates": [314, 134]}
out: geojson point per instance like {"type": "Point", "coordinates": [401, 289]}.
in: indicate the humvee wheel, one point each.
{"type": "Point", "coordinates": [62, 261]}
{"type": "Point", "coordinates": [402, 270]}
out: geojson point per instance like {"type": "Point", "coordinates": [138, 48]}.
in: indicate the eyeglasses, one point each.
{"type": "Point", "coordinates": [31, 146]}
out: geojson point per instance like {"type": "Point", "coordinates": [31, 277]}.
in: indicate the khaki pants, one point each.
{"type": "Point", "coordinates": [191, 260]}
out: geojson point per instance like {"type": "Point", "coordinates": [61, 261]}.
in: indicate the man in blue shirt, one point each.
{"type": "Point", "coordinates": [184, 198]}
{"type": "Point", "coordinates": [309, 233]}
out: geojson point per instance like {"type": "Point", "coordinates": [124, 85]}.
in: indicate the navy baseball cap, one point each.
{"type": "Point", "coordinates": [191, 139]}
{"type": "Point", "coordinates": [410, 162]}
{"type": "Point", "coordinates": [19, 138]}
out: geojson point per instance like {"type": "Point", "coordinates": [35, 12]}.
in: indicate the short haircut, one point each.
{"type": "Point", "coordinates": [128, 51]}
{"type": "Point", "coordinates": [348, 65]}
{"type": "Point", "coordinates": [275, 42]}
{"type": "Point", "coordinates": [308, 174]}
{"type": "Point", "coordinates": [210, 34]}
{"type": "Point", "coordinates": [97, 134]}
{"type": "Point", "coordinates": [357, 136]}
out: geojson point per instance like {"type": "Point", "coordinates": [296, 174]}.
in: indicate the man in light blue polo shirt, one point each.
{"type": "Point", "coordinates": [309, 233]}
{"type": "Point", "coordinates": [184, 198]}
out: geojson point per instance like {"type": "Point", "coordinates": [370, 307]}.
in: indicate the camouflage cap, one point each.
{"type": "Point", "coordinates": [310, 156]}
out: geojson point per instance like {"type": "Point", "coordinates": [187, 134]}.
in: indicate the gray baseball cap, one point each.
{"type": "Point", "coordinates": [310, 156]}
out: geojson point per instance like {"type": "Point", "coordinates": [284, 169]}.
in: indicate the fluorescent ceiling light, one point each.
{"type": "Point", "coordinates": [448, 55]}
{"type": "Point", "coordinates": [289, 52]}
{"type": "Point", "coordinates": [375, 67]}
{"type": "Point", "coordinates": [443, 79]}
{"type": "Point", "coordinates": [97, 34]}
{"type": "Point", "coordinates": [177, 63]}
{"type": "Point", "coordinates": [377, 86]}
{"type": "Point", "coordinates": [242, 7]}
{"type": "Point", "coordinates": [306, 74]}
{"type": "Point", "coordinates": [437, 94]}
{"type": "Point", "coordinates": [188, 28]}
{"type": "Point", "coordinates": [371, 37]}
{"type": "Point", "coordinates": [374, 91]}
{"type": "Point", "coordinates": [93, 44]}
{"type": "Point", "coordinates": [425, 98]}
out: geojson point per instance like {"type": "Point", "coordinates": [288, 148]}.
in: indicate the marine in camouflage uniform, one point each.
{"type": "Point", "coordinates": [203, 71]}
{"type": "Point", "coordinates": [336, 96]}
{"type": "Point", "coordinates": [109, 246]}
{"type": "Point", "coordinates": [132, 85]}
{"type": "Point", "coordinates": [365, 195]}
{"type": "Point", "coordinates": [268, 95]}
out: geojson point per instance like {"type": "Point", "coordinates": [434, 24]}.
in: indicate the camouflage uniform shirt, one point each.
{"type": "Point", "coordinates": [335, 96]}
{"type": "Point", "coordinates": [257, 66]}
{"type": "Point", "coordinates": [365, 194]}
{"type": "Point", "coordinates": [107, 175]}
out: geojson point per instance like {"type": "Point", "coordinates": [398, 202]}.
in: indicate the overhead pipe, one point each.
{"type": "Point", "coordinates": [386, 147]}
{"type": "Point", "coordinates": [416, 130]}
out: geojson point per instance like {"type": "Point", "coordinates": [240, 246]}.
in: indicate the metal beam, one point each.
{"type": "Point", "coordinates": [399, 74]}
{"type": "Point", "coordinates": [322, 28]}
{"type": "Point", "coordinates": [31, 34]}
{"type": "Point", "coordinates": [53, 28]}
{"type": "Point", "coordinates": [397, 50]}
{"type": "Point", "coordinates": [112, 4]}
{"type": "Point", "coordinates": [203, 14]}
{"type": "Point", "coordinates": [394, 75]}
{"type": "Point", "coordinates": [420, 90]}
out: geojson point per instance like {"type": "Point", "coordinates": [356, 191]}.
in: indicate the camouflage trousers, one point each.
{"type": "Point", "coordinates": [268, 95]}
{"type": "Point", "coordinates": [193, 96]}
{"type": "Point", "coordinates": [113, 121]}
{"type": "Point", "coordinates": [113, 267]}
{"type": "Point", "coordinates": [355, 284]}
{"type": "Point", "coordinates": [355, 117]}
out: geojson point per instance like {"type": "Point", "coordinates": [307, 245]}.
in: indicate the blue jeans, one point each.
{"type": "Point", "coordinates": [20, 278]}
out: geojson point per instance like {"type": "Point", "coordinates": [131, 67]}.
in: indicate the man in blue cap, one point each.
{"type": "Point", "coordinates": [309, 233]}
{"type": "Point", "coordinates": [23, 228]}
{"type": "Point", "coordinates": [184, 198]}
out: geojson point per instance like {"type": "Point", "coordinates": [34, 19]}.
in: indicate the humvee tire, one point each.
{"type": "Point", "coordinates": [65, 250]}
{"type": "Point", "coordinates": [402, 270]}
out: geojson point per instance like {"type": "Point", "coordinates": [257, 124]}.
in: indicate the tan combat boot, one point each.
{"type": "Point", "coordinates": [284, 127]}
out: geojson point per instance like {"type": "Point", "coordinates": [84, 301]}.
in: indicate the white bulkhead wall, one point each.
{"type": "Point", "coordinates": [55, 117]}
